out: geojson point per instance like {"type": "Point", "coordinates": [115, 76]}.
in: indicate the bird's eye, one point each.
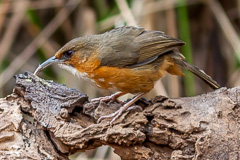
{"type": "Point", "coordinates": [68, 53]}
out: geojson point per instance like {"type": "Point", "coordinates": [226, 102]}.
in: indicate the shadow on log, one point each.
{"type": "Point", "coordinates": [46, 120]}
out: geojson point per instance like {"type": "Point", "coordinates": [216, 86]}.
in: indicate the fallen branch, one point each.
{"type": "Point", "coordinates": [45, 119]}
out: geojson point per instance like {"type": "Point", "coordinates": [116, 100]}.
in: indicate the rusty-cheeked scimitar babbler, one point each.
{"type": "Point", "coordinates": [127, 59]}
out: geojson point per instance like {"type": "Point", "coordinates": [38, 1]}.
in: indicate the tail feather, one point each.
{"type": "Point", "coordinates": [200, 73]}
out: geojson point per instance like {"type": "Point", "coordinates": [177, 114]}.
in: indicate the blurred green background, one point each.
{"type": "Point", "coordinates": [33, 30]}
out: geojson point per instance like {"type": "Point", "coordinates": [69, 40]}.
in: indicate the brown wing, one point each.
{"type": "Point", "coordinates": [132, 46]}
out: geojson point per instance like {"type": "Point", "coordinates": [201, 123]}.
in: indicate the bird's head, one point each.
{"type": "Point", "coordinates": [70, 55]}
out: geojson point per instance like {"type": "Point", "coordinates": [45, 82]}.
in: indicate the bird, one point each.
{"type": "Point", "coordinates": [127, 59]}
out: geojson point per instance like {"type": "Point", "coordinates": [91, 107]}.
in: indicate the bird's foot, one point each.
{"type": "Point", "coordinates": [119, 112]}
{"type": "Point", "coordinates": [134, 108]}
{"type": "Point", "coordinates": [109, 98]}
{"type": "Point", "coordinates": [128, 106]}
{"type": "Point", "coordinates": [104, 99]}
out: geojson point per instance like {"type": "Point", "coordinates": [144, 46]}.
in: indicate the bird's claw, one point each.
{"type": "Point", "coordinates": [126, 106]}
{"type": "Point", "coordinates": [135, 107]}
{"type": "Point", "coordinates": [118, 113]}
{"type": "Point", "coordinates": [114, 115]}
{"type": "Point", "coordinates": [109, 98]}
{"type": "Point", "coordinates": [102, 99]}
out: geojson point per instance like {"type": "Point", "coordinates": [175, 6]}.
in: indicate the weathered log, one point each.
{"type": "Point", "coordinates": [43, 119]}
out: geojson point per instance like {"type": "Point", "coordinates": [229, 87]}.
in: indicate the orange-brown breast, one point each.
{"type": "Point", "coordinates": [129, 80]}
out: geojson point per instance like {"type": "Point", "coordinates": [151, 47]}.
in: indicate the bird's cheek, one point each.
{"type": "Point", "coordinates": [84, 59]}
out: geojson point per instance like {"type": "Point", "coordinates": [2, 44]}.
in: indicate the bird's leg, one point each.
{"type": "Point", "coordinates": [108, 98]}
{"type": "Point", "coordinates": [119, 112]}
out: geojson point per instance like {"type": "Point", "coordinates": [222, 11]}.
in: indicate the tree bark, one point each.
{"type": "Point", "coordinates": [46, 120]}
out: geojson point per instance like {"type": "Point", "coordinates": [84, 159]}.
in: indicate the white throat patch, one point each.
{"type": "Point", "coordinates": [74, 71]}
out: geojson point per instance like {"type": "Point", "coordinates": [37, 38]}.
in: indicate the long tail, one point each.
{"type": "Point", "coordinates": [200, 73]}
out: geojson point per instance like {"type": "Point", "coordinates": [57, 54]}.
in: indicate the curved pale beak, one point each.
{"type": "Point", "coordinates": [46, 64]}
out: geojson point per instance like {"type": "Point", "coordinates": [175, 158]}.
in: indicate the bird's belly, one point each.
{"type": "Point", "coordinates": [129, 80]}
{"type": "Point", "coordinates": [124, 80]}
